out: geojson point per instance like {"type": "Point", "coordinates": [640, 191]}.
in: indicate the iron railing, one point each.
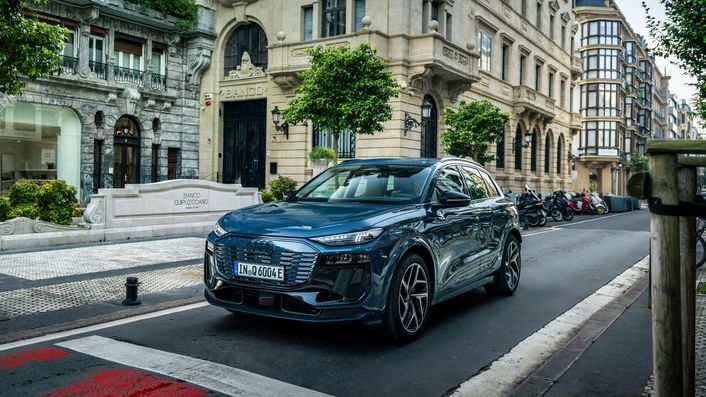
{"type": "Point", "coordinates": [346, 142]}
{"type": "Point", "coordinates": [128, 75]}
{"type": "Point", "coordinates": [68, 65]}
{"type": "Point", "coordinates": [99, 69]}
{"type": "Point", "coordinates": [157, 82]}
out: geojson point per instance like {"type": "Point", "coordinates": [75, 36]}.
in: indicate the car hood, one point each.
{"type": "Point", "coordinates": [308, 219]}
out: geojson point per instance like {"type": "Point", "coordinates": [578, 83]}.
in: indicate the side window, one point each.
{"type": "Point", "coordinates": [492, 187]}
{"type": "Point", "coordinates": [476, 186]}
{"type": "Point", "coordinates": [449, 180]}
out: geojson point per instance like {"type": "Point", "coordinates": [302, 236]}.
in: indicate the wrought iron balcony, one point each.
{"type": "Point", "coordinates": [127, 75]}
{"type": "Point", "coordinates": [68, 65]}
{"type": "Point", "coordinates": [98, 69]}
{"type": "Point", "coordinates": [157, 82]}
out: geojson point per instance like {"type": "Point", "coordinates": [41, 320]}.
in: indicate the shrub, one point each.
{"type": "Point", "coordinates": [51, 201]}
{"type": "Point", "coordinates": [23, 192]}
{"type": "Point", "coordinates": [4, 208]}
{"type": "Point", "coordinates": [321, 153]}
{"type": "Point", "coordinates": [26, 210]}
{"type": "Point", "coordinates": [266, 196]}
{"type": "Point", "coordinates": [57, 202]}
{"type": "Point", "coordinates": [282, 185]}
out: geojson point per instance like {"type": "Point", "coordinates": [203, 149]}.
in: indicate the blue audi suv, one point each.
{"type": "Point", "coordinates": [375, 241]}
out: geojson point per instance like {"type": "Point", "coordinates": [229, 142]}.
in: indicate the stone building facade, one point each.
{"type": "Point", "coordinates": [124, 107]}
{"type": "Point", "coordinates": [516, 53]}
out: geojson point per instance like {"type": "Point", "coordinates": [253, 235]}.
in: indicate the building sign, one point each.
{"type": "Point", "coordinates": [246, 91]}
{"type": "Point", "coordinates": [190, 201]}
{"type": "Point", "coordinates": [608, 152]}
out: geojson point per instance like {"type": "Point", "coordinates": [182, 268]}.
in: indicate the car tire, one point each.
{"type": "Point", "coordinates": [507, 277]}
{"type": "Point", "coordinates": [405, 303]}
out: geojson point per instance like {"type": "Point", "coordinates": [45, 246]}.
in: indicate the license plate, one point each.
{"type": "Point", "coordinates": [265, 272]}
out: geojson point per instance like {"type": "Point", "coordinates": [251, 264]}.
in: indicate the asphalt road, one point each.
{"type": "Point", "coordinates": [562, 264]}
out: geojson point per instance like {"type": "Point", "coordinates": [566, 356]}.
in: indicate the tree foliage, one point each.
{"type": "Point", "coordinates": [344, 90]}
{"type": "Point", "coordinates": [28, 47]}
{"type": "Point", "coordinates": [185, 10]}
{"type": "Point", "coordinates": [638, 163]}
{"type": "Point", "coordinates": [472, 128]}
{"type": "Point", "coordinates": [683, 35]}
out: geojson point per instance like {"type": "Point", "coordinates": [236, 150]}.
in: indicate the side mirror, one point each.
{"type": "Point", "coordinates": [450, 199]}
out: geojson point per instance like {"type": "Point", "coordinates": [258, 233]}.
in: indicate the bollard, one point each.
{"type": "Point", "coordinates": [131, 292]}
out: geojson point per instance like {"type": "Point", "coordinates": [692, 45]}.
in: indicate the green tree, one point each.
{"type": "Point", "coordinates": [344, 90]}
{"type": "Point", "coordinates": [682, 35]}
{"type": "Point", "coordinates": [638, 163]}
{"type": "Point", "coordinates": [27, 47]}
{"type": "Point", "coordinates": [472, 128]}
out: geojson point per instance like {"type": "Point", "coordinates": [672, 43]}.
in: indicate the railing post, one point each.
{"type": "Point", "coordinates": [665, 286]}
{"type": "Point", "coordinates": [687, 230]}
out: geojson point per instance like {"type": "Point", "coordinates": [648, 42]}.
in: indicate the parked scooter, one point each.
{"type": "Point", "coordinates": [557, 206]}
{"type": "Point", "coordinates": [531, 208]}
{"type": "Point", "coordinates": [601, 206]}
{"type": "Point", "coordinates": [582, 204]}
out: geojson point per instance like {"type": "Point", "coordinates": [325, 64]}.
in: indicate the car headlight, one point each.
{"type": "Point", "coordinates": [349, 238]}
{"type": "Point", "coordinates": [218, 230]}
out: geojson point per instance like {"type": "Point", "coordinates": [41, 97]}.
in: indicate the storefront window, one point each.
{"type": "Point", "coordinates": [39, 142]}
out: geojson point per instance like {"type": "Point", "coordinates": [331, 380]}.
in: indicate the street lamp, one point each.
{"type": "Point", "coordinates": [284, 127]}
{"type": "Point", "coordinates": [410, 122]}
{"type": "Point", "coordinates": [528, 141]}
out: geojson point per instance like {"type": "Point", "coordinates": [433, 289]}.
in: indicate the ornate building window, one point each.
{"type": "Point", "coordinates": [517, 148]}
{"type": "Point", "coordinates": [601, 64]}
{"type": "Point", "coordinates": [485, 49]}
{"type": "Point", "coordinates": [599, 134]}
{"type": "Point", "coordinates": [559, 151]}
{"type": "Point", "coordinates": [333, 18]}
{"type": "Point", "coordinates": [600, 100]}
{"type": "Point", "coordinates": [601, 32]}
{"type": "Point", "coordinates": [547, 152]}
{"type": "Point", "coordinates": [247, 38]}
{"type": "Point", "coordinates": [533, 151]}
{"type": "Point", "coordinates": [346, 142]}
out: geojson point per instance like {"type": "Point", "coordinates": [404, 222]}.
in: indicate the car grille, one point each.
{"type": "Point", "coordinates": [298, 265]}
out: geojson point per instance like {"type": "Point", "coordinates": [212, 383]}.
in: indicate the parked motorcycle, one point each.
{"type": "Point", "coordinates": [601, 206]}
{"type": "Point", "coordinates": [582, 204]}
{"type": "Point", "coordinates": [557, 206]}
{"type": "Point", "coordinates": [531, 208]}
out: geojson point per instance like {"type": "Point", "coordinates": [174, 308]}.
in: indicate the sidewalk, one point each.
{"type": "Point", "coordinates": [47, 288]}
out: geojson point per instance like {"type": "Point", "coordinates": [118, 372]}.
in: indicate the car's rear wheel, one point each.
{"type": "Point", "coordinates": [507, 277]}
{"type": "Point", "coordinates": [408, 300]}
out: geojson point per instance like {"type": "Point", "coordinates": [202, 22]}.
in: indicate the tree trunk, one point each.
{"type": "Point", "coordinates": [335, 147]}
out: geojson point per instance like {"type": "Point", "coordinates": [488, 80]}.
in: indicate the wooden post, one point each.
{"type": "Point", "coordinates": [665, 287]}
{"type": "Point", "coordinates": [687, 230]}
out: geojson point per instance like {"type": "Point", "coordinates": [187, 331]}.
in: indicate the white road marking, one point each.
{"type": "Point", "coordinates": [217, 377]}
{"type": "Point", "coordinates": [509, 370]}
{"type": "Point", "coordinates": [549, 230]}
{"type": "Point", "coordinates": [98, 327]}
{"type": "Point", "coordinates": [596, 219]}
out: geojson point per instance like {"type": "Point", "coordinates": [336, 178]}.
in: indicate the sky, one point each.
{"type": "Point", "coordinates": [635, 15]}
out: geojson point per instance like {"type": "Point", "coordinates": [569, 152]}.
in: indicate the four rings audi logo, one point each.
{"type": "Point", "coordinates": [259, 247]}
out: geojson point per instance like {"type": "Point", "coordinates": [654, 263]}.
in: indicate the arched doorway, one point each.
{"type": "Point", "coordinates": [126, 152]}
{"type": "Point", "coordinates": [430, 130]}
{"type": "Point", "coordinates": [517, 147]}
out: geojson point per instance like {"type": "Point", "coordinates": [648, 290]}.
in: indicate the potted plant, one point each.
{"type": "Point", "coordinates": [320, 158]}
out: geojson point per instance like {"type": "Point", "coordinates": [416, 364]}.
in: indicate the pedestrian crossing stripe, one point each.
{"type": "Point", "coordinates": [217, 377]}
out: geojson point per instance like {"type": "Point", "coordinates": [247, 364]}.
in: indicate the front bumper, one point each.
{"type": "Point", "coordinates": [310, 291]}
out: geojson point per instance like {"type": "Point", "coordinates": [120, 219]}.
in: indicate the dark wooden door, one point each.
{"type": "Point", "coordinates": [244, 143]}
{"type": "Point", "coordinates": [126, 164]}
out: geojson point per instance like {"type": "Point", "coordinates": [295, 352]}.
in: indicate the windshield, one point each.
{"type": "Point", "coordinates": [398, 184]}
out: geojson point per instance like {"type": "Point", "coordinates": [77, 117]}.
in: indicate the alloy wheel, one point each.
{"type": "Point", "coordinates": [512, 264]}
{"type": "Point", "coordinates": [413, 298]}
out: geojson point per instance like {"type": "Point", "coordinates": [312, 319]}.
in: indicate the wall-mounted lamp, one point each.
{"type": "Point", "coordinates": [571, 157]}
{"type": "Point", "coordinates": [410, 122]}
{"type": "Point", "coordinates": [528, 141]}
{"type": "Point", "coordinates": [284, 127]}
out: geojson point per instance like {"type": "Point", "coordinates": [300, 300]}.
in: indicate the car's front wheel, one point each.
{"type": "Point", "coordinates": [408, 300]}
